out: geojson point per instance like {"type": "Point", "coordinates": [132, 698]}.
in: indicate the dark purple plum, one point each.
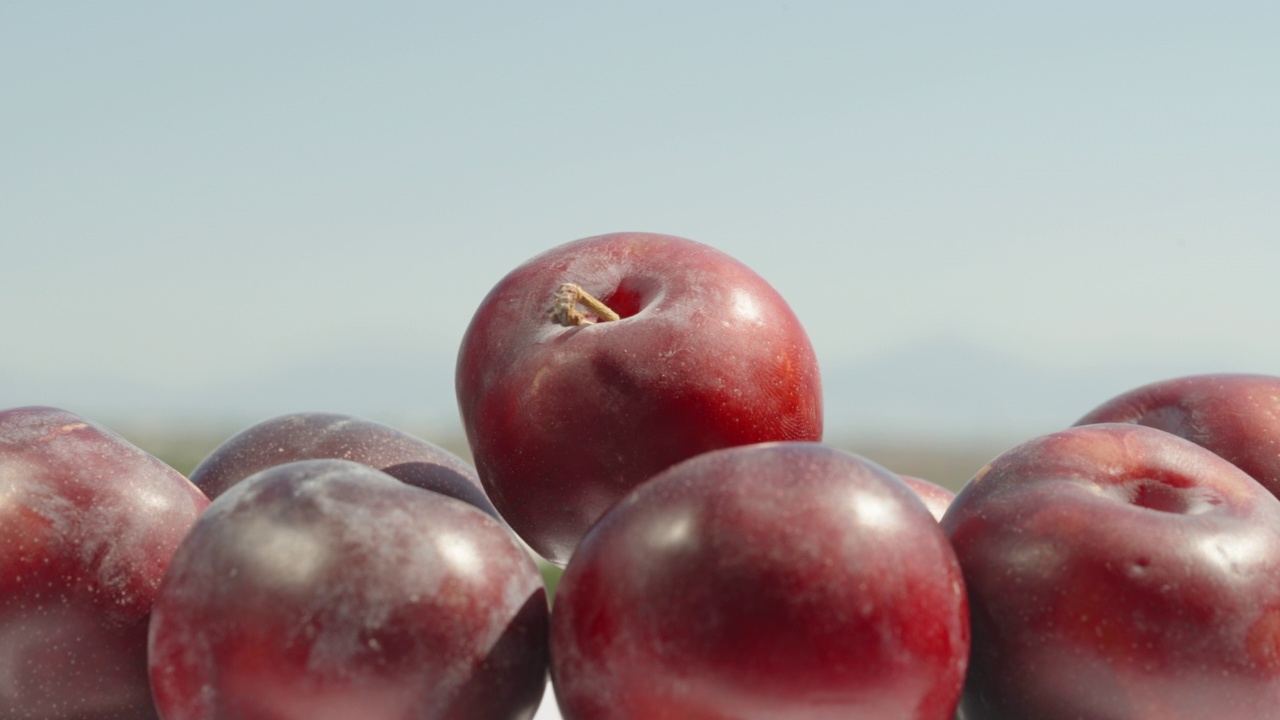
{"type": "Point", "coordinates": [316, 435]}
{"type": "Point", "coordinates": [326, 589]}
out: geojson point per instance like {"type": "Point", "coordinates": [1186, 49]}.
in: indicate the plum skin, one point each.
{"type": "Point", "coordinates": [1235, 415]}
{"type": "Point", "coordinates": [88, 523]}
{"type": "Point", "coordinates": [328, 589]}
{"type": "Point", "coordinates": [1115, 570]}
{"type": "Point", "coordinates": [318, 435]}
{"type": "Point", "coordinates": [564, 421]}
{"type": "Point", "coordinates": [776, 580]}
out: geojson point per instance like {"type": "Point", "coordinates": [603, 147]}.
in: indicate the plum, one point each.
{"type": "Point", "coordinates": [782, 580]}
{"type": "Point", "coordinates": [88, 524]}
{"type": "Point", "coordinates": [328, 589]}
{"type": "Point", "coordinates": [316, 435]}
{"type": "Point", "coordinates": [601, 362]}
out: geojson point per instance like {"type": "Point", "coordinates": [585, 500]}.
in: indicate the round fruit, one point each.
{"type": "Point", "coordinates": [568, 403]}
{"type": "Point", "coordinates": [784, 580]}
{"type": "Point", "coordinates": [327, 589]}
{"type": "Point", "coordinates": [1117, 571]}
{"type": "Point", "coordinates": [88, 523]}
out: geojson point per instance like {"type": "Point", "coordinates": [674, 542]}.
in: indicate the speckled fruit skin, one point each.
{"type": "Point", "coordinates": [319, 435]}
{"type": "Point", "coordinates": [1236, 416]}
{"type": "Point", "coordinates": [783, 580]}
{"type": "Point", "coordinates": [328, 590]}
{"type": "Point", "coordinates": [1118, 571]}
{"type": "Point", "coordinates": [564, 421]}
{"type": "Point", "coordinates": [88, 523]}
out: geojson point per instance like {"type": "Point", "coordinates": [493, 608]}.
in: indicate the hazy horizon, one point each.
{"type": "Point", "coordinates": [199, 205]}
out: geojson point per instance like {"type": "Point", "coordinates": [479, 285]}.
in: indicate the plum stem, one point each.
{"type": "Point", "coordinates": [564, 309]}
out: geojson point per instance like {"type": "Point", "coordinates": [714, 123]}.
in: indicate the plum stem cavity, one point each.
{"type": "Point", "coordinates": [565, 311]}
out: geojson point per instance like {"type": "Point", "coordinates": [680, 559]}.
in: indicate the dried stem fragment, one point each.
{"type": "Point", "coordinates": [565, 307]}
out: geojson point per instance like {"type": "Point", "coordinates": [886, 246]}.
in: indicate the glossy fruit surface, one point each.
{"type": "Point", "coordinates": [325, 589]}
{"type": "Point", "coordinates": [784, 580]}
{"type": "Point", "coordinates": [1236, 416]}
{"type": "Point", "coordinates": [1118, 571]}
{"type": "Point", "coordinates": [564, 420]}
{"type": "Point", "coordinates": [316, 435]}
{"type": "Point", "coordinates": [88, 523]}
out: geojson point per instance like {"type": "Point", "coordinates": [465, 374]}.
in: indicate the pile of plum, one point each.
{"type": "Point", "coordinates": [646, 412]}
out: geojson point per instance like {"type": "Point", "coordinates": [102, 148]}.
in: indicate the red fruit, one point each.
{"type": "Point", "coordinates": [314, 436]}
{"type": "Point", "coordinates": [934, 496]}
{"type": "Point", "coordinates": [1235, 416]}
{"type": "Point", "coordinates": [325, 589]}
{"type": "Point", "coordinates": [565, 420]}
{"type": "Point", "coordinates": [785, 580]}
{"type": "Point", "coordinates": [88, 523]}
{"type": "Point", "coordinates": [1116, 571]}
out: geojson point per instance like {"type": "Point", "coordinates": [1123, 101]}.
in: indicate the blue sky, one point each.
{"type": "Point", "coordinates": [193, 198]}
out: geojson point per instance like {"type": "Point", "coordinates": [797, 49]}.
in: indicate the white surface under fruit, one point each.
{"type": "Point", "coordinates": [548, 710]}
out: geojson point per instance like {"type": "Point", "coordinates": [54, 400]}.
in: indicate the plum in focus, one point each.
{"type": "Point", "coordinates": [326, 589]}
{"type": "Point", "coordinates": [1118, 571]}
{"type": "Point", "coordinates": [568, 404]}
{"type": "Point", "coordinates": [784, 580]}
